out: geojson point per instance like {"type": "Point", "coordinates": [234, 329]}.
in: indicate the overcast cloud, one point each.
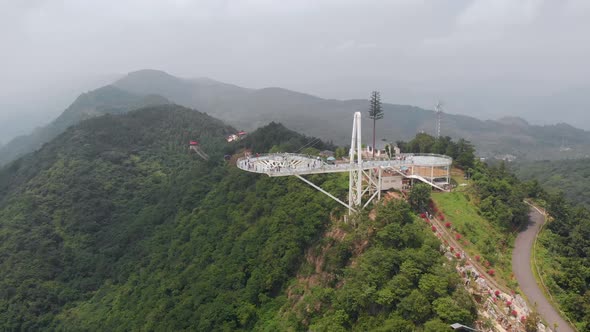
{"type": "Point", "coordinates": [486, 58]}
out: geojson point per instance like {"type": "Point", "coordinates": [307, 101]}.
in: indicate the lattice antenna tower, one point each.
{"type": "Point", "coordinates": [439, 113]}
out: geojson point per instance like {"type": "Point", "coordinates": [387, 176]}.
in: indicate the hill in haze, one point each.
{"type": "Point", "coordinates": [105, 100]}
{"type": "Point", "coordinates": [332, 119]}
{"type": "Point", "coordinates": [329, 119]}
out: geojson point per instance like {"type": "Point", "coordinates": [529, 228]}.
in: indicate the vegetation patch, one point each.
{"type": "Point", "coordinates": [562, 253]}
{"type": "Point", "coordinates": [399, 282]}
{"type": "Point", "coordinates": [483, 241]}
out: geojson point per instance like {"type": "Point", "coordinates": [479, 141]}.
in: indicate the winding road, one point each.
{"type": "Point", "coordinates": [521, 265]}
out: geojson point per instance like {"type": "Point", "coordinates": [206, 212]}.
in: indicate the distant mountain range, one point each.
{"type": "Point", "coordinates": [328, 119]}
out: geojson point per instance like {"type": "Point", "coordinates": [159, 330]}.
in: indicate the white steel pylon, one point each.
{"type": "Point", "coordinates": [361, 181]}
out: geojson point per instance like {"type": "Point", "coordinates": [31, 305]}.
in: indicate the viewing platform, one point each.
{"type": "Point", "coordinates": [429, 166]}
{"type": "Point", "coordinates": [368, 176]}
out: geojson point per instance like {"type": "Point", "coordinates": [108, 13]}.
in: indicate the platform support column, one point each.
{"type": "Point", "coordinates": [355, 184]}
{"type": "Point", "coordinates": [380, 183]}
{"type": "Point", "coordinates": [361, 181]}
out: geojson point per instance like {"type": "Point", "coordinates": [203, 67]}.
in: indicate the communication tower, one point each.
{"type": "Point", "coordinates": [439, 112]}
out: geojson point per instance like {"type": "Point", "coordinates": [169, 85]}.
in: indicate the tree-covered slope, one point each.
{"type": "Point", "coordinates": [572, 177]}
{"type": "Point", "coordinates": [386, 274]}
{"type": "Point", "coordinates": [105, 100]}
{"type": "Point", "coordinates": [564, 258]}
{"type": "Point", "coordinates": [115, 225]}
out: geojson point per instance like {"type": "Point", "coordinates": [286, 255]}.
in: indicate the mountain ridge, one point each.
{"type": "Point", "coordinates": [105, 100]}
{"type": "Point", "coordinates": [329, 119]}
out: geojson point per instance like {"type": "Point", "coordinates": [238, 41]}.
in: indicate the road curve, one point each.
{"type": "Point", "coordinates": [521, 265]}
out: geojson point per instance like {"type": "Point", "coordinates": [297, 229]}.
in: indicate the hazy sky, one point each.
{"type": "Point", "coordinates": [487, 58]}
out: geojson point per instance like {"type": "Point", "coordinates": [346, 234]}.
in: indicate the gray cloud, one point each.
{"type": "Point", "coordinates": [487, 58]}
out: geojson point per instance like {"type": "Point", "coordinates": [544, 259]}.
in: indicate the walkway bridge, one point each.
{"type": "Point", "coordinates": [365, 175]}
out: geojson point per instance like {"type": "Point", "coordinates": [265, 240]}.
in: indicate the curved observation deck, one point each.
{"type": "Point", "coordinates": [365, 176]}
{"type": "Point", "coordinates": [286, 164]}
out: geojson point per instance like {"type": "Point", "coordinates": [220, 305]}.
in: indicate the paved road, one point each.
{"type": "Point", "coordinates": [521, 265]}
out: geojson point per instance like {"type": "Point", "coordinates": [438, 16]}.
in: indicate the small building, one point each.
{"type": "Point", "coordinates": [236, 137]}
{"type": "Point", "coordinates": [379, 151]}
{"type": "Point", "coordinates": [326, 154]}
{"type": "Point", "coordinates": [391, 180]}
{"type": "Point", "coordinates": [506, 157]}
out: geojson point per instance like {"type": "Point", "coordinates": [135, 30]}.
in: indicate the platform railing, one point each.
{"type": "Point", "coordinates": [254, 164]}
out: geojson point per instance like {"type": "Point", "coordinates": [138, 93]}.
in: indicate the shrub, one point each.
{"type": "Point", "coordinates": [448, 224]}
{"type": "Point", "coordinates": [433, 228]}
{"type": "Point", "coordinates": [491, 272]}
{"type": "Point", "coordinates": [457, 236]}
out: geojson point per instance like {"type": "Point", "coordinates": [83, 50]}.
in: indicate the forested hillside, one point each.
{"type": "Point", "coordinates": [387, 274]}
{"type": "Point", "coordinates": [114, 225]}
{"type": "Point", "coordinates": [564, 257]}
{"type": "Point", "coordinates": [572, 177]}
{"type": "Point", "coordinates": [105, 100]}
{"type": "Point", "coordinates": [563, 249]}
{"type": "Point", "coordinates": [117, 207]}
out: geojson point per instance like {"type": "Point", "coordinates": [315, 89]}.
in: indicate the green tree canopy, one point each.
{"type": "Point", "coordinates": [419, 196]}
